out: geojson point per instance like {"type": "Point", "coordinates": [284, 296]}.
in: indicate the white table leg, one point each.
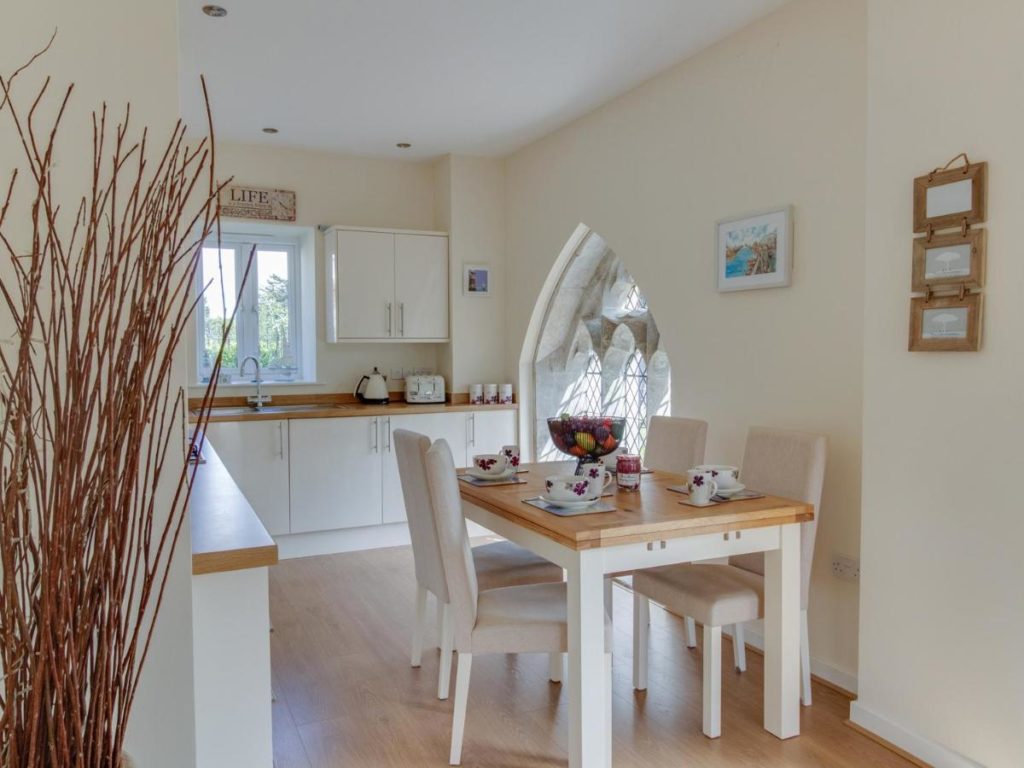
{"type": "Point", "coordinates": [588, 743]}
{"type": "Point", "coordinates": [782, 634]}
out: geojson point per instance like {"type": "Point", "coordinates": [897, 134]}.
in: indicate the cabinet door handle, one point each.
{"type": "Point", "coordinates": [387, 428]}
{"type": "Point", "coordinates": [401, 318]}
{"type": "Point", "coordinates": [280, 440]}
{"type": "Point", "coordinates": [472, 429]}
{"type": "Point", "coordinates": [374, 446]}
{"type": "Point", "coordinates": [387, 307]}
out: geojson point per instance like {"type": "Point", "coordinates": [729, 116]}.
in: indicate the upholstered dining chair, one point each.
{"type": "Point", "coordinates": [674, 444]}
{"type": "Point", "coordinates": [777, 462]}
{"type": "Point", "coordinates": [521, 619]}
{"type": "Point", "coordinates": [499, 564]}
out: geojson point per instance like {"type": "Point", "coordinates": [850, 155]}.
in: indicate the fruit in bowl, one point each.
{"type": "Point", "coordinates": [586, 436]}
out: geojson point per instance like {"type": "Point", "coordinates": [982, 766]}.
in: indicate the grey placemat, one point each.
{"type": "Point", "coordinates": [597, 506]}
{"type": "Point", "coordinates": [486, 483]}
{"type": "Point", "coordinates": [741, 496]}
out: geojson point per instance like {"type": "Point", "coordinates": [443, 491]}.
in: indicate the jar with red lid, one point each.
{"type": "Point", "coordinates": [627, 472]}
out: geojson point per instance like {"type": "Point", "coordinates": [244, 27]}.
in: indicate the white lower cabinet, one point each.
{"type": "Point", "coordinates": [256, 455]}
{"type": "Point", "coordinates": [308, 475]}
{"type": "Point", "coordinates": [453, 427]}
{"type": "Point", "coordinates": [335, 473]}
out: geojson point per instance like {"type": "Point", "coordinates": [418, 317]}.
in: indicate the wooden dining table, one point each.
{"type": "Point", "coordinates": [650, 527]}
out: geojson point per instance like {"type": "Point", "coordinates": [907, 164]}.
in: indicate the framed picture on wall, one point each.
{"type": "Point", "coordinates": [950, 198]}
{"type": "Point", "coordinates": [946, 324]}
{"type": "Point", "coordinates": [949, 260]}
{"type": "Point", "coordinates": [476, 280]}
{"type": "Point", "coordinates": [755, 251]}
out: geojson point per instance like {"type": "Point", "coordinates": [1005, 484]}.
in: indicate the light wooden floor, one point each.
{"type": "Point", "coordinates": [346, 695]}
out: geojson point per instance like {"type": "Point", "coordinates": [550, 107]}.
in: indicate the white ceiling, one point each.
{"type": "Point", "coordinates": [481, 77]}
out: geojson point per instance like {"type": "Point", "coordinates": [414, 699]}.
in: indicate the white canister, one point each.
{"type": "Point", "coordinates": [476, 394]}
{"type": "Point", "coordinates": [491, 394]}
{"type": "Point", "coordinates": [505, 394]}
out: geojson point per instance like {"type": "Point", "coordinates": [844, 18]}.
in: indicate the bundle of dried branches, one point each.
{"type": "Point", "coordinates": [94, 481]}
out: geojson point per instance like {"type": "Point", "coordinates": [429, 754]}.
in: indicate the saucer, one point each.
{"type": "Point", "coordinates": [481, 475]}
{"type": "Point", "coordinates": [728, 493]}
{"type": "Point", "coordinates": [568, 504]}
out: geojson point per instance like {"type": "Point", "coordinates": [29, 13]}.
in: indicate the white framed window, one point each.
{"type": "Point", "coordinates": [269, 315]}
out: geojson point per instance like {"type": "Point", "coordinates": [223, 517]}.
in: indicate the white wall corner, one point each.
{"type": "Point", "coordinates": [919, 746]}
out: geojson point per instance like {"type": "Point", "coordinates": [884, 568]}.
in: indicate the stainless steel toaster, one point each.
{"type": "Point", "coordinates": [424, 389]}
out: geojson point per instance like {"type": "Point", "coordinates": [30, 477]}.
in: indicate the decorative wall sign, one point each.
{"type": "Point", "coordinates": [755, 251]}
{"type": "Point", "coordinates": [947, 324]}
{"type": "Point", "coordinates": [949, 261]}
{"type": "Point", "coordinates": [951, 197]}
{"type": "Point", "coordinates": [254, 203]}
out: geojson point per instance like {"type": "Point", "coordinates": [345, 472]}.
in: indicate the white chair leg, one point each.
{"type": "Point", "coordinates": [739, 648]}
{"type": "Point", "coordinates": [609, 600]}
{"type": "Point", "coordinates": [444, 675]}
{"type": "Point", "coordinates": [641, 615]}
{"type": "Point", "coordinates": [691, 632]}
{"type": "Point", "coordinates": [805, 661]}
{"type": "Point", "coordinates": [712, 681]}
{"type": "Point", "coordinates": [417, 630]}
{"type": "Point", "coordinates": [555, 667]}
{"type": "Point", "coordinates": [459, 711]}
{"type": "Point", "coordinates": [608, 709]}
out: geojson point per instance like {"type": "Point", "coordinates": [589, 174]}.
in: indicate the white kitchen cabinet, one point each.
{"type": "Point", "coordinates": [335, 473]}
{"type": "Point", "coordinates": [453, 427]}
{"type": "Point", "coordinates": [421, 286]}
{"type": "Point", "coordinates": [386, 285]}
{"type": "Point", "coordinates": [491, 430]}
{"type": "Point", "coordinates": [255, 453]}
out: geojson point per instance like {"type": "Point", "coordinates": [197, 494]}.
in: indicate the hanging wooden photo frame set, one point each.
{"type": "Point", "coordinates": [951, 198]}
{"type": "Point", "coordinates": [949, 261]}
{"type": "Point", "coordinates": [946, 324]}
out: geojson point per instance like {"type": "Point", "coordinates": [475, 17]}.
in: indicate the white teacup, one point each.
{"type": "Point", "coordinates": [725, 475]}
{"type": "Point", "coordinates": [595, 470]}
{"type": "Point", "coordinates": [702, 486]}
{"type": "Point", "coordinates": [572, 488]}
{"type": "Point", "coordinates": [495, 464]}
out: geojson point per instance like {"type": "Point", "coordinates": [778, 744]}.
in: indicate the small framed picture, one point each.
{"type": "Point", "coordinates": [755, 251]}
{"type": "Point", "coordinates": [944, 199]}
{"type": "Point", "coordinates": [476, 280]}
{"type": "Point", "coordinates": [947, 324]}
{"type": "Point", "coordinates": [947, 260]}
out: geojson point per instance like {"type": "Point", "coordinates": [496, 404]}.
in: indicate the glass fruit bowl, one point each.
{"type": "Point", "coordinates": [586, 437]}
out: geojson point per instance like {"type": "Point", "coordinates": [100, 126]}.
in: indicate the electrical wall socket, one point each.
{"type": "Point", "coordinates": [396, 374]}
{"type": "Point", "coordinates": [846, 568]}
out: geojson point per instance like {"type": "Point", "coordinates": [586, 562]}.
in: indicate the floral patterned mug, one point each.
{"type": "Point", "coordinates": [493, 464]}
{"type": "Point", "coordinates": [595, 470]}
{"type": "Point", "coordinates": [702, 486]}
{"type": "Point", "coordinates": [572, 488]}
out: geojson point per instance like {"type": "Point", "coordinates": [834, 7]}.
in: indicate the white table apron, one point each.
{"type": "Point", "coordinates": [589, 746]}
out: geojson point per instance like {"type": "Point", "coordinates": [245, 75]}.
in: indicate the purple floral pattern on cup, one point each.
{"type": "Point", "coordinates": [580, 488]}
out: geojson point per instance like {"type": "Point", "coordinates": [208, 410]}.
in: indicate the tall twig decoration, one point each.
{"type": "Point", "coordinates": [94, 484]}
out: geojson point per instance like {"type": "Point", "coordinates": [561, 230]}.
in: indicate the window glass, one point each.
{"type": "Point", "coordinates": [218, 274]}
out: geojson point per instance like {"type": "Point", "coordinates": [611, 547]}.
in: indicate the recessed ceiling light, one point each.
{"type": "Point", "coordinates": [270, 130]}
{"type": "Point", "coordinates": [215, 11]}
{"type": "Point", "coordinates": [403, 145]}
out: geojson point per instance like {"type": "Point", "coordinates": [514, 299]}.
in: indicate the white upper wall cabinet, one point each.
{"type": "Point", "coordinates": [386, 285]}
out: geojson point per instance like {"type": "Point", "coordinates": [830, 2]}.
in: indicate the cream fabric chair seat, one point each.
{"type": "Point", "coordinates": [504, 564]}
{"type": "Point", "coordinates": [499, 564]}
{"type": "Point", "coordinates": [715, 595]}
{"type": "Point", "coordinates": [524, 619]}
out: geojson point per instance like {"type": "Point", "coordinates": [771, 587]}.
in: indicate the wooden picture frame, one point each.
{"type": "Point", "coordinates": [946, 324]}
{"type": "Point", "coordinates": [953, 198]}
{"type": "Point", "coordinates": [946, 267]}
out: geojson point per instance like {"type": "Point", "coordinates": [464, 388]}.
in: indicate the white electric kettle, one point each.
{"type": "Point", "coordinates": [375, 390]}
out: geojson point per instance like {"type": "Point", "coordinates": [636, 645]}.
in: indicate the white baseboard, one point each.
{"type": "Point", "coordinates": [351, 540]}
{"type": "Point", "coordinates": [920, 747]}
{"type": "Point", "coordinates": [838, 677]}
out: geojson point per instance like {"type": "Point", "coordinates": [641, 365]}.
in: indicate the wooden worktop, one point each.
{"type": "Point", "coordinates": [651, 513]}
{"type": "Point", "coordinates": [328, 406]}
{"type": "Point", "coordinates": [226, 533]}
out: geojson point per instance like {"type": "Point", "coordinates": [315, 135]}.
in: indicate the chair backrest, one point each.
{"type": "Point", "coordinates": [456, 553]}
{"type": "Point", "coordinates": [411, 452]}
{"type": "Point", "coordinates": [675, 444]}
{"type": "Point", "coordinates": [792, 464]}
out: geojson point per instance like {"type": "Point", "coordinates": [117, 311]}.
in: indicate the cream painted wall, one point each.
{"type": "Point", "coordinates": [942, 601]}
{"type": "Point", "coordinates": [341, 189]}
{"type": "Point", "coordinates": [115, 52]}
{"type": "Point", "coordinates": [772, 115]}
